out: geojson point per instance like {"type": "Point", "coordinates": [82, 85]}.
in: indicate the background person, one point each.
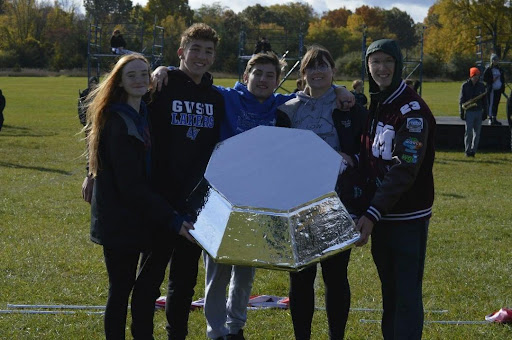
{"type": "Point", "coordinates": [396, 157]}
{"type": "Point", "coordinates": [342, 130]}
{"type": "Point", "coordinates": [123, 203]}
{"type": "Point", "coordinates": [509, 116]}
{"type": "Point", "coordinates": [494, 78]}
{"type": "Point", "coordinates": [117, 43]}
{"type": "Point", "coordinates": [82, 97]}
{"type": "Point", "coordinates": [88, 183]}
{"type": "Point", "coordinates": [474, 113]}
{"type": "Point", "coordinates": [357, 86]}
{"type": "Point", "coordinates": [263, 45]}
{"type": "Point", "coordinates": [2, 107]}
{"type": "Point", "coordinates": [299, 85]}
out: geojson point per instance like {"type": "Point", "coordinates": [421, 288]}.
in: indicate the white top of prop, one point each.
{"type": "Point", "coordinates": [273, 168]}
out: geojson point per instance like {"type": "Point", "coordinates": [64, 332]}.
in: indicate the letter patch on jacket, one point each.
{"type": "Point", "coordinates": [414, 105]}
{"type": "Point", "coordinates": [383, 142]}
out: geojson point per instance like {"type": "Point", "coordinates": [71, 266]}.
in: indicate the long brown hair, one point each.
{"type": "Point", "coordinates": [98, 102]}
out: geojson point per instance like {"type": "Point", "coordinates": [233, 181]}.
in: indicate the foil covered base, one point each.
{"type": "Point", "coordinates": [273, 239]}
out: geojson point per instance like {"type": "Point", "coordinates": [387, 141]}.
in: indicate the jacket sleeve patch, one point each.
{"type": "Point", "coordinates": [412, 106]}
{"type": "Point", "coordinates": [411, 159]}
{"type": "Point", "coordinates": [414, 124]}
{"type": "Point", "coordinates": [412, 145]}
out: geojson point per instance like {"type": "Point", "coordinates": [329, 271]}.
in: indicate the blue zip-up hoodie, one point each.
{"type": "Point", "coordinates": [244, 111]}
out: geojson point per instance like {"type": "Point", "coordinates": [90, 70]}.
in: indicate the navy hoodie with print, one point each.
{"type": "Point", "coordinates": [185, 123]}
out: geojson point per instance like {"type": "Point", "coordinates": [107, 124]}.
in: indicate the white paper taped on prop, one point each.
{"type": "Point", "coordinates": [268, 200]}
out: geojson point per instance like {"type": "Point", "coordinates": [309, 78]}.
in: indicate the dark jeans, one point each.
{"type": "Point", "coordinates": [337, 296]}
{"type": "Point", "coordinates": [122, 274]}
{"type": "Point", "coordinates": [184, 258]}
{"type": "Point", "coordinates": [398, 250]}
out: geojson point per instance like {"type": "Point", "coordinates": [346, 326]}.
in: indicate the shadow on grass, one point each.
{"type": "Point", "coordinates": [19, 131]}
{"type": "Point", "coordinates": [495, 161]}
{"type": "Point", "coordinates": [38, 168]}
{"type": "Point", "coordinates": [450, 195]}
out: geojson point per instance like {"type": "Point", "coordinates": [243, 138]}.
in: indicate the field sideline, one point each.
{"type": "Point", "coordinates": [47, 257]}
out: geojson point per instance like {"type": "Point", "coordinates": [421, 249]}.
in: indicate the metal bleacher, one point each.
{"type": "Point", "coordinates": [288, 46]}
{"type": "Point", "coordinates": [100, 56]}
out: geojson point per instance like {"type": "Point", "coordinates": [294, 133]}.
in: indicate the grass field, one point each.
{"type": "Point", "coordinates": [47, 258]}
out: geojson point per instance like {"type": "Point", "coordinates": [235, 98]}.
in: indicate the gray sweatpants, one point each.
{"type": "Point", "coordinates": [226, 317]}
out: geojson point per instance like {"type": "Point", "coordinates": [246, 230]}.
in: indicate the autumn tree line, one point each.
{"type": "Point", "coordinates": [55, 35]}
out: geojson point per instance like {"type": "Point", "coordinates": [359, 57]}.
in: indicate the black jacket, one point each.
{"type": "Point", "coordinates": [2, 102]}
{"type": "Point", "coordinates": [118, 41]}
{"type": "Point", "coordinates": [185, 120]}
{"type": "Point", "coordinates": [125, 211]}
{"type": "Point", "coordinates": [350, 126]}
{"type": "Point", "coordinates": [2, 106]}
{"type": "Point", "coordinates": [469, 91]}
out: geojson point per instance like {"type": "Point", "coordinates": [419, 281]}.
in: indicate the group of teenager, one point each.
{"type": "Point", "coordinates": [148, 146]}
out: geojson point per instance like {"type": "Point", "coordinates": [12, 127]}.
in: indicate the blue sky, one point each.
{"type": "Point", "coordinates": [417, 9]}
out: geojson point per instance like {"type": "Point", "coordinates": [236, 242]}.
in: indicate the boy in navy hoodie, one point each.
{"type": "Point", "coordinates": [185, 119]}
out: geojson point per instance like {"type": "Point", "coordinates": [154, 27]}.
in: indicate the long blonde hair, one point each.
{"type": "Point", "coordinates": [98, 102]}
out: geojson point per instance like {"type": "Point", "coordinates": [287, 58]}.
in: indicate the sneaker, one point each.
{"type": "Point", "coordinates": [504, 315]}
{"type": "Point", "coordinates": [237, 336]}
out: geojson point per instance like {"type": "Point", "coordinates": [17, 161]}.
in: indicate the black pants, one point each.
{"type": "Point", "coordinates": [493, 100]}
{"type": "Point", "coordinates": [122, 274]}
{"type": "Point", "coordinates": [183, 256]}
{"type": "Point", "coordinates": [337, 297]}
{"type": "Point", "coordinates": [509, 116]}
{"type": "Point", "coordinates": [398, 250]}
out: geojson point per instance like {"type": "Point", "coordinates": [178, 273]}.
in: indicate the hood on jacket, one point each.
{"type": "Point", "coordinates": [390, 47]}
{"type": "Point", "coordinates": [206, 80]}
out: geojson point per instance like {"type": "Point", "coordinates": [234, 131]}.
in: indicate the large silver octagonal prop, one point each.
{"type": "Point", "coordinates": [268, 201]}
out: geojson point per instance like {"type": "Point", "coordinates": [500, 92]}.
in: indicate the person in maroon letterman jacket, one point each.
{"type": "Point", "coordinates": [396, 158]}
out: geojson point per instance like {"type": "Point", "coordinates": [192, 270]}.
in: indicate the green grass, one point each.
{"type": "Point", "coordinates": [47, 258]}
